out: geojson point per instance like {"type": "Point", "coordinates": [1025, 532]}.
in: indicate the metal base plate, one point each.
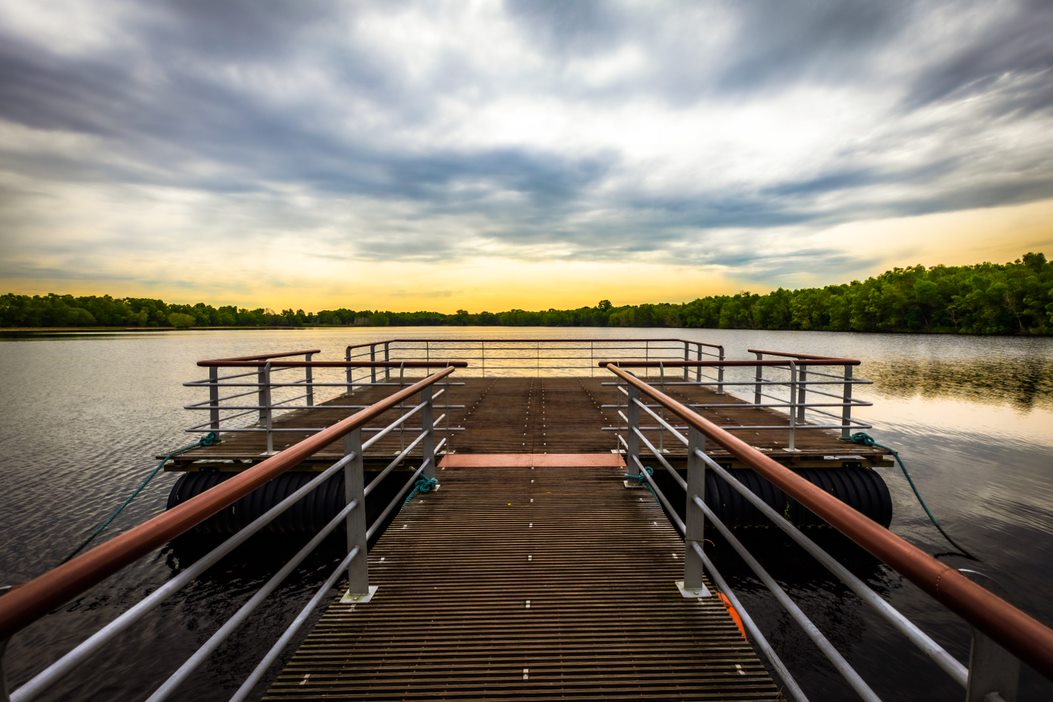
{"type": "Point", "coordinates": [692, 594]}
{"type": "Point", "coordinates": [350, 598]}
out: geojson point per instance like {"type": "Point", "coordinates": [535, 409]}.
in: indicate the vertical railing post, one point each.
{"type": "Point", "coordinates": [846, 406]}
{"type": "Point", "coordinates": [427, 418]}
{"type": "Point", "coordinates": [694, 585]}
{"type": "Point", "coordinates": [802, 388]}
{"type": "Point", "coordinates": [308, 379]}
{"type": "Point", "coordinates": [793, 407]}
{"type": "Point", "coordinates": [350, 371]}
{"type": "Point", "coordinates": [387, 358]}
{"type": "Point", "coordinates": [759, 378]}
{"type": "Point", "coordinates": [213, 398]}
{"type": "Point", "coordinates": [354, 491]}
{"type": "Point", "coordinates": [698, 357]}
{"type": "Point", "coordinates": [263, 380]}
{"type": "Point", "coordinates": [632, 440]}
{"type": "Point", "coordinates": [687, 357]}
{"type": "Point", "coordinates": [720, 370]}
{"type": "Point", "coordinates": [992, 669]}
{"type": "Point", "coordinates": [373, 359]}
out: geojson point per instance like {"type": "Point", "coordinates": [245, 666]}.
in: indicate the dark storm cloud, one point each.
{"type": "Point", "coordinates": [239, 99]}
{"type": "Point", "coordinates": [1017, 41]}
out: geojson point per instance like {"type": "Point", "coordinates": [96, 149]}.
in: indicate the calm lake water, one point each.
{"type": "Point", "coordinates": [85, 414]}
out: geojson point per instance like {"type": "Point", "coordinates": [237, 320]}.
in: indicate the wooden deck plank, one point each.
{"type": "Point", "coordinates": [515, 583]}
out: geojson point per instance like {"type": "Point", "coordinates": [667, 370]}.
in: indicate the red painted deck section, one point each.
{"type": "Point", "coordinates": [532, 460]}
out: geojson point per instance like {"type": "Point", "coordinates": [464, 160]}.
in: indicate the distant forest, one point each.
{"type": "Point", "coordinates": [988, 298]}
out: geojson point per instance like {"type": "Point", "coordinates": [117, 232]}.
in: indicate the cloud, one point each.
{"type": "Point", "coordinates": [586, 131]}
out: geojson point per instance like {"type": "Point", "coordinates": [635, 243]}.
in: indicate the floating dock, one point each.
{"type": "Point", "coordinates": [564, 556]}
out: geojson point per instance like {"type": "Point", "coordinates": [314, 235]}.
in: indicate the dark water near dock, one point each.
{"type": "Point", "coordinates": [85, 414]}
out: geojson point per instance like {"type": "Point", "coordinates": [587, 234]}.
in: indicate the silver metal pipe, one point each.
{"type": "Point", "coordinates": [673, 516]}
{"type": "Point", "coordinates": [293, 629]}
{"type": "Point", "coordinates": [958, 672]}
{"type": "Point", "coordinates": [232, 624]}
{"type": "Point", "coordinates": [391, 466]}
{"type": "Point", "coordinates": [661, 459]}
{"type": "Point", "coordinates": [787, 679]}
{"type": "Point", "coordinates": [45, 678]}
{"type": "Point", "coordinates": [810, 629]}
{"type": "Point", "coordinates": [661, 420]}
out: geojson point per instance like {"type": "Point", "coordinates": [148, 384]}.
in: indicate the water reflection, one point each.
{"type": "Point", "coordinates": [1023, 382]}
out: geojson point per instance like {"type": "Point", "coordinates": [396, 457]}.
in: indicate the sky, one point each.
{"type": "Point", "coordinates": [491, 155]}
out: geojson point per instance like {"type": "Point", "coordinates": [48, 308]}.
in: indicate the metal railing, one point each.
{"type": "Point", "coordinates": [810, 397]}
{"type": "Point", "coordinates": [28, 603]}
{"type": "Point", "coordinates": [247, 393]}
{"type": "Point", "coordinates": [520, 357]}
{"type": "Point", "coordinates": [1002, 634]}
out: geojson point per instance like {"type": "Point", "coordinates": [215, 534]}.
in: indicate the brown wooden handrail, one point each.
{"type": "Point", "coordinates": [27, 603]}
{"type": "Point", "coordinates": [334, 364]}
{"type": "Point", "coordinates": [1018, 632]}
{"type": "Point", "coordinates": [809, 356]}
{"type": "Point", "coordinates": [257, 357]}
{"type": "Point", "coordinates": [731, 364]}
{"type": "Point", "coordinates": [527, 341]}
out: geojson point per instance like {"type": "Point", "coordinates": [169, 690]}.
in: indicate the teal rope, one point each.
{"type": "Point", "coordinates": [642, 480]}
{"type": "Point", "coordinates": [865, 439]}
{"type": "Point", "coordinates": [209, 439]}
{"type": "Point", "coordinates": [423, 485]}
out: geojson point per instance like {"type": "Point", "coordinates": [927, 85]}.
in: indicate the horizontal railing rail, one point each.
{"type": "Point", "coordinates": [26, 604]}
{"type": "Point", "coordinates": [230, 412]}
{"type": "Point", "coordinates": [798, 402]}
{"type": "Point", "coordinates": [542, 356]}
{"type": "Point", "coordinates": [1003, 633]}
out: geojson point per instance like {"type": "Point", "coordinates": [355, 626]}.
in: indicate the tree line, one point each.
{"type": "Point", "coordinates": [987, 298]}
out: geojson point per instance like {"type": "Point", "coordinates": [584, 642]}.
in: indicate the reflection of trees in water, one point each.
{"type": "Point", "coordinates": [1023, 382]}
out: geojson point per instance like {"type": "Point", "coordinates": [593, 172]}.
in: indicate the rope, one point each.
{"type": "Point", "coordinates": [210, 439]}
{"type": "Point", "coordinates": [642, 480]}
{"type": "Point", "coordinates": [422, 486]}
{"type": "Point", "coordinates": [865, 439]}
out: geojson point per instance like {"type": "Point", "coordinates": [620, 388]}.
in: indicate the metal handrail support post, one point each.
{"type": "Point", "coordinates": [846, 409]}
{"type": "Point", "coordinates": [354, 490]}
{"type": "Point", "coordinates": [759, 379]}
{"type": "Point", "coordinates": [266, 414]}
{"type": "Point", "coordinates": [693, 585]}
{"type": "Point", "coordinates": [632, 444]}
{"type": "Point", "coordinates": [373, 359]}
{"type": "Point", "coordinates": [387, 357]}
{"type": "Point", "coordinates": [720, 372]}
{"type": "Point", "coordinates": [308, 379]}
{"type": "Point", "coordinates": [793, 409]}
{"type": "Point", "coordinates": [213, 398]}
{"type": "Point", "coordinates": [350, 372]}
{"type": "Point", "coordinates": [427, 418]}
{"type": "Point", "coordinates": [802, 389]}
{"type": "Point", "coordinates": [994, 673]}
{"type": "Point", "coordinates": [687, 357]}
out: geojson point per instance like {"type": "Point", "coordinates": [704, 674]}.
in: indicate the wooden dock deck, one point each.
{"type": "Point", "coordinates": [527, 583]}
{"type": "Point", "coordinates": [536, 415]}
